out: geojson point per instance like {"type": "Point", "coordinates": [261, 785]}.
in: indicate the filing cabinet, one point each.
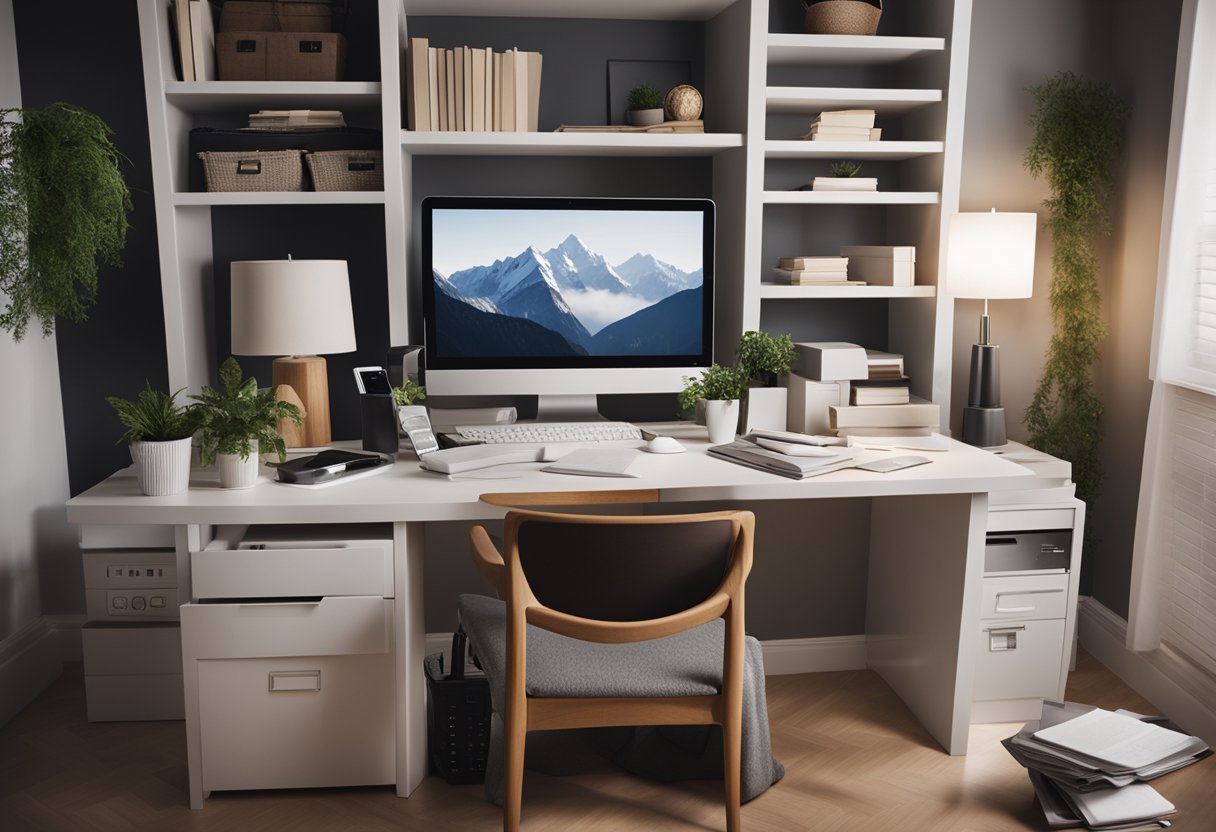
{"type": "Point", "coordinates": [289, 647]}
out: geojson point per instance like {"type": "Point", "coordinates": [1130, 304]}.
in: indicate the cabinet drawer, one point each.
{"type": "Point", "coordinates": [1019, 659]}
{"type": "Point", "coordinates": [1025, 596]}
{"type": "Point", "coordinates": [298, 722]}
{"type": "Point", "coordinates": [1020, 520]}
{"type": "Point", "coordinates": [325, 627]}
{"type": "Point", "coordinates": [293, 572]}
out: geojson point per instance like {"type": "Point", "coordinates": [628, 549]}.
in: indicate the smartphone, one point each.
{"type": "Point", "coordinates": [373, 380]}
{"type": "Point", "coordinates": [417, 427]}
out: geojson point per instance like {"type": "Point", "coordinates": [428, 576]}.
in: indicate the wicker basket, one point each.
{"type": "Point", "coordinates": [253, 170]}
{"type": "Point", "coordinates": [842, 17]}
{"type": "Point", "coordinates": [347, 170]}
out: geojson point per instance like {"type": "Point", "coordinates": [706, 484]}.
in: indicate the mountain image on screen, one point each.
{"type": "Point", "coordinates": [569, 301]}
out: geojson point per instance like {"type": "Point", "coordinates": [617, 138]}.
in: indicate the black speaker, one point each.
{"type": "Point", "coordinates": [405, 362]}
{"type": "Point", "coordinates": [379, 423]}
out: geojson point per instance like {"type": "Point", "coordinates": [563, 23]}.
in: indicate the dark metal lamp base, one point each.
{"type": "Point", "coordinates": [984, 426]}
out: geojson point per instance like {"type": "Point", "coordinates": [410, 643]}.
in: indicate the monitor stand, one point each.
{"type": "Point", "coordinates": [568, 408]}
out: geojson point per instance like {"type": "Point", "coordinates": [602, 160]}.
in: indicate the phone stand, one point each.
{"type": "Point", "coordinates": [379, 418]}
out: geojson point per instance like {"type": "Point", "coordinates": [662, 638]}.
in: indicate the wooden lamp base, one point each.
{"type": "Point", "coordinates": [309, 378]}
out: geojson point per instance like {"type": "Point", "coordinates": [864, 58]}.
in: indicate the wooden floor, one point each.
{"type": "Point", "coordinates": [855, 759]}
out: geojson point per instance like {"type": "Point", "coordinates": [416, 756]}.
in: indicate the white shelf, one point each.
{"type": "Point", "coordinates": [812, 100]}
{"type": "Point", "coordinates": [851, 198]}
{"type": "Point", "coordinates": [799, 149]}
{"type": "Point", "coordinates": [846, 50]}
{"type": "Point", "coordinates": [211, 96]}
{"type": "Point", "coordinates": [567, 144]}
{"type": "Point", "coordinates": [280, 198]}
{"type": "Point", "coordinates": [775, 291]}
{"type": "Point", "coordinates": [616, 10]}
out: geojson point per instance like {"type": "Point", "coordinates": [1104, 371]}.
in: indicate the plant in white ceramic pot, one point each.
{"type": "Point", "coordinates": [763, 360]}
{"type": "Point", "coordinates": [237, 422]}
{"type": "Point", "coordinates": [721, 388]}
{"type": "Point", "coordinates": [159, 433]}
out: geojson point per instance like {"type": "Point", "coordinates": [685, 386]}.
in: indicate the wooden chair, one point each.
{"type": "Point", "coordinates": [620, 580]}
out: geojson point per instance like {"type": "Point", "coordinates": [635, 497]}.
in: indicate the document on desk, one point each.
{"type": "Point", "coordinates": [595, 462]}
{"type": "Point", "coordinates": [752, 455]}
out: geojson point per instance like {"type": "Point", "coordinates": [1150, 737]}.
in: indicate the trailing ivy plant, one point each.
{"type": "Point", "coordinates": [1078, 135]}
{"type": "Point", "coordinates": [63, 207]}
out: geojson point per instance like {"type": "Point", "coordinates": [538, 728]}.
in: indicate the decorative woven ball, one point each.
{"type": "Point", "coordinates": [683, 103]}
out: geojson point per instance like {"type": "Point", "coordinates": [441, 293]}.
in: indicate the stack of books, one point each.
{"type": "Point", "coordinates": [471, 89]}
{"type": "Point", "coordinates": [295, 119]}
{"type": "Point", "coordinates": [882, 405]}
{"type": "Point", "coordinates": [815, 271]}
{"type": "Point", "coordinates": [842, 183]}
{"type": "Point", "coordinates": [882, 265]}
{"type": "Point", "coordinates": [844, 126]}
{"type": "Point", "coordinates": [1089, 766]}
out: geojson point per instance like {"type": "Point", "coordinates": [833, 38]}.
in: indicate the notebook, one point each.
{"type": "Point", "coordinates": [595, 462]}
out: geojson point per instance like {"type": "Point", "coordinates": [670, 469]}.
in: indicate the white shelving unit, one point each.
{"type": "Point", "coordinates": [924, 88]}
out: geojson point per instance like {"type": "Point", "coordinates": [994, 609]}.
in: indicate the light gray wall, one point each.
{"type": "Point", "coordinates": [34, 535]}
{"type": "Point", "coordinates": [1132, 47]}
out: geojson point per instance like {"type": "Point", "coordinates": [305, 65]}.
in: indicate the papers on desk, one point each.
{"type": "Point", "coordinates": [1088, 765]}
{"type": "Point", "coordinates": [745, 452]}
{"type": "Point", "coordinates": [595, 462]}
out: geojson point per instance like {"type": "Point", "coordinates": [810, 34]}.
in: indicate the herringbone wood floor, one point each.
{"type": "Point", "coordinates": [855, 760]}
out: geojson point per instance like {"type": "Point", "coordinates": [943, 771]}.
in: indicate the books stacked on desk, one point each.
{"type": "Point", "coordinates": [1089, 766]}
{"type": "Point", "coordinates": [471, 89]}
{"type": "Point", "coordinates": [844, 126]}
{"type": "Point", "coordinates": [881, 404]}
{"type": "Point", "coordinates": [815, 271]}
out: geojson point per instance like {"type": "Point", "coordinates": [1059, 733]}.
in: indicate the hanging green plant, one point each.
{"type": "Point", "coordinates": [63, 207]}
{"type": "Point", "coordinates": [1078, 135]}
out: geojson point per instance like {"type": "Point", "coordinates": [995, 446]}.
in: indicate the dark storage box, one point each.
{"type": "Point", "coordinates": [212, 139]}
{"type": "Point", "coordinates": [280, 56]}
{"type": "Point", "coordinates": [458, 713]}
{"type": "Point", "coordinates": [249, 16]}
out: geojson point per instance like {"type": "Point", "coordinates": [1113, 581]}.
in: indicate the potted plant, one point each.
{"type": "Point", "coordinates": [763, 360]}
{"type": "Point", "coordinates": [1078, 135]}
{"type": "Point", "coordinates": [63, 206]}
{"type": "Point", "coordinates": [721, 388]}
{"type": "Point", "coordinates": [159, 434]}
{"type": "Point", "coordinates": [842, 17]}
{"type": "Point", "coordinates": [237, 422]}
{"type": "Point", "coordinates": [645, 106]}
{"type": "Point", "coordinates": [410, 416]}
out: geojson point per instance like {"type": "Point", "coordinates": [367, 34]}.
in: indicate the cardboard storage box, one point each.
{"type": "Point", "coordinates": [280, 56]}
{"type": "Point", "coordinates": [264, 16]}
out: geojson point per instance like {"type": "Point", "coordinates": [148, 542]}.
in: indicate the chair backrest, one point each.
{"type": "Point", "coordinates": [612, 568]}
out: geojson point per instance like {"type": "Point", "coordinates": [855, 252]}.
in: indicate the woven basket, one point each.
{"type": "Point", "coordinates": [842, 17]}
{"type": "Point", "coordinates": [253, 170]}
{"type": "Point", "coordinates": [347, 170]}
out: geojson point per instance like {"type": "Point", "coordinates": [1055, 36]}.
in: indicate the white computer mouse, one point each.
{"type": "Point", "coordinates": [664, 445]}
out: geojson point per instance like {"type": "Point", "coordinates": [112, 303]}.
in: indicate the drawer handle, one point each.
{"type": "Point", "coordinates": [294, 680]}
{"type": "Point", "coordinates": [1031, 608]}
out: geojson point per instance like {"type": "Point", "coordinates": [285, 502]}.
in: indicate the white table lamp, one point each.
{"type": "Point", "coordinates": [989, 256]}
{"type": "Point", "coordinates": [296, 309]}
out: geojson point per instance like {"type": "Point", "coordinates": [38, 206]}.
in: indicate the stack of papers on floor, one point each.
{"type": "Point", "coordinates": [1089, 766]}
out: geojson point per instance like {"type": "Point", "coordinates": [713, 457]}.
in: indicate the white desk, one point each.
{"type": "Point", "coordinates": [926, 555]}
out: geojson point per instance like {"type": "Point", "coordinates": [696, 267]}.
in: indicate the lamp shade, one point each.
{"type": "Point", "coordinates": [291, 307]}
{"type": "Point", "coordinates": [991, 255]}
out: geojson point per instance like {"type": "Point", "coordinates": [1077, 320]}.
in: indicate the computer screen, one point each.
{"type": "Point", "coordinates": [558, 295]}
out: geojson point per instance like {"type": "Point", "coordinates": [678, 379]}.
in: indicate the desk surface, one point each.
{"type": "Point", "coordinates": [406, 493]}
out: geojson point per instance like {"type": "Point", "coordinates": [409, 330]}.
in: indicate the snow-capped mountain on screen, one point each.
{"type": "Point", "coordinates": [541, 287]}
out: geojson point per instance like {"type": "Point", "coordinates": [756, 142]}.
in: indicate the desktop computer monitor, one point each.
{"type": "Point", "coordinates": [566, 298]}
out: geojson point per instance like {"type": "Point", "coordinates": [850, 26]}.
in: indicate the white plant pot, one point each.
{"type": "Point", "coordinates": [722, 419]}
{"type": "Point", "coordinates": [765, 409]}
{"type": "Point", "coordinates": [162, 468]}
{"type": "Point", "coordinates": [237, 471]}
{"type": "Point", "coordinates": [646, 118]}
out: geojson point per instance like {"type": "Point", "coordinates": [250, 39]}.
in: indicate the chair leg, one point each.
{"type": "Point", "coordinates": [732, 748]}
{"type": "Point", "coordinates": [513, 781]}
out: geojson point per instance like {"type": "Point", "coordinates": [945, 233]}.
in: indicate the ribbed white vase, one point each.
{"type": "Point", "coordinates": [162, 468]}
{"type": "Point", "coordinates": [237, 471]}
{"type": "Point", "coordinates": [722, 419]}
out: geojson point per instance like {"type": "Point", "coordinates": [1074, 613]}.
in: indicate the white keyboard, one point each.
{"type": "Point", "coordinates": [546, 432]}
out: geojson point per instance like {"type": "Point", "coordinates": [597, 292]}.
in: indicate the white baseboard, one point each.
{"type": "Point", "coordinates": [781, 657]}
{"type": "Point", "coordinates": [1190, 704]}
{"type": "Point", "coordinates": [32, 658]}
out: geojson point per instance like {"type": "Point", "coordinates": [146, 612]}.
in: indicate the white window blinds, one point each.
{"type": "Point", "coordinates": [1202, 354]}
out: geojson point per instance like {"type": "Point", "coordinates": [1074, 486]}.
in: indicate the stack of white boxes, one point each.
{"type": "Point", "coordinates": [131, 640]}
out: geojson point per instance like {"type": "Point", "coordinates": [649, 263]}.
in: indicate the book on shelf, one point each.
{"type": "Point", "coordinates": [829, 360]}
{"type": "Point", "coordinates": [826, 263]}
{"type": "Point", "coordinates": [439, 88]}
{"type": "Point", "coordinates": [847, 118]}
{"type": "Point", "coordinates": [863, 395]}
{"type": "Point", "coordinates": [507, 84]}
{"type": "Point", "coordinates": [185, 44]}
{"type": "Point", "coordinates": [496, 73]}
{"type": "Point", "coordinates": [202, 40]}
{"type": "Point", "coordinates": [417, 85]}
{"type": "Point", "coordinates": [884, 365]}
{"type": "Point", "coordinates": [535, 64]}
{"type": "Point", "coordinates": [457, 103]}
{"type": "Point", "coordinates": [521, 90]}
{"type": "Point", "coordinates": [449, 80]}
{"type": "Point", "coordinates": [489, 88]}
{"type": "Point", "coordinates": [814, 278]}
{"type": "Point", "coordinates": [882, 265]}
{"type": "Point", "coordinates": [832, 135]}
{"type": "Point", "coordinates": [295, 119]}
{"type": "Point", "coordinates": [432, 84]}
{"type": "Point", "coordinates": [841, 183]}
{"type": "Point", "coordinates": [469, 83]}
{"type": "Point", "coordinates": [696, 126]}
{"type": "Point", "coordinates": [885, 416]}
{"type": "Point", "coordinates": [477, 71]}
